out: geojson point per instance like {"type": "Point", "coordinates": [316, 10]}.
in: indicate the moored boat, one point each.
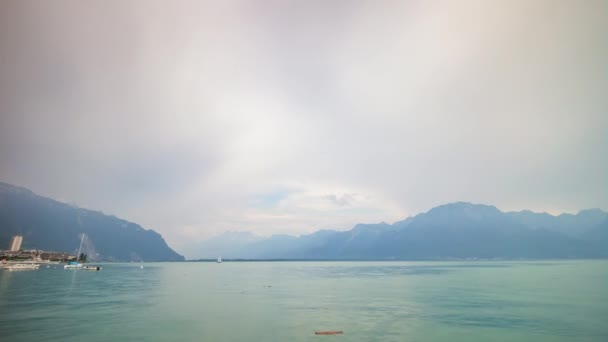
{"type": "Point", "coordinates": [91, 268]}
{"type": "Point", "coordinates": [75, 264]}
{"type": "Point", "coordinates": [13, 267]}
{"type": "Point", "coordinates": [72, 265]}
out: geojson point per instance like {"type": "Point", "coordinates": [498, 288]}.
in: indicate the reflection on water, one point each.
{"type": "Point", "coordinates": [279, 301]}
{"type": "Point", "coordinates": [5, 279]}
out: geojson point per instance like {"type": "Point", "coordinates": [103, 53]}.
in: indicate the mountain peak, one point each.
{"type": "Point", "coordinates": [376, 227]}
{"type": "Point", "coordinates": [9, 188]}
{"type": "Point", "coordinates": [470, 210]}
{"type": "Point", "coordinates": [592, 212]}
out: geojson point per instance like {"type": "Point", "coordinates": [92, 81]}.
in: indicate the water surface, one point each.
{"type": "Point", "coordinates": [288, 301]}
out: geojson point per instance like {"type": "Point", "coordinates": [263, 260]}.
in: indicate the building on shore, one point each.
{"type": "Point", "coordinates": [36, 256]}
{"type": "Point", "coordinates": [15, 253]}
{"type": "Point", "coordinates": [16, 243]}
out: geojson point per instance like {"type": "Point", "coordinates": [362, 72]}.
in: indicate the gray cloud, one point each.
{"type": "Point", "coordinates": [177, 115]}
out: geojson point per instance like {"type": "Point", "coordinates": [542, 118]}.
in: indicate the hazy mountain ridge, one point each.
{"type": "Point", "coordinates": [456, 230]}
{"type": "Point", "coordinates": [227, 244]}
{"type": "Point", "coordinates": [48, 224]}
{"type": "Point", "coordinates": [568, 224]}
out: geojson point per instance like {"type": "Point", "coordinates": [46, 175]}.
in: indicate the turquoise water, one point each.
{"type": "Point", "coordinates": [288, 301]}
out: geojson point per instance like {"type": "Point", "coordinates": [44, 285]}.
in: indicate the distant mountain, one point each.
{"type": "Point", "coordinates": [456, 230]}
{"type": "Point", "coordinates": [51, 225]}
{"type": "Point", "coordinates": [226, 245]}
{"type": "Point", "coordinates": [568, 224]}
{"type": "Point", "coordinates": [598, 235]}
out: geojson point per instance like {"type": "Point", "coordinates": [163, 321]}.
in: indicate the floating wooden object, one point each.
{"type": "Point", "coordinates": [330, 332]}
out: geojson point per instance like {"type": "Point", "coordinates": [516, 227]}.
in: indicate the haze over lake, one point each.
{"type": "Point", "coordinates": [288, 301]}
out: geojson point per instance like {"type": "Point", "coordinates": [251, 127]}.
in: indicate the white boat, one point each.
{"type": "Point", "coordinates": [13, 267]}
{"type": "Point", "coordinates": [72, 265]}
{"type": "Point", "coordinates": [75, 264]}
{"type": "Point", "coordinates": [37, 261]}
{"type": "Point", "coordinates": [91, 268]}
{"type": "Point", "coordinates": [219, 260]}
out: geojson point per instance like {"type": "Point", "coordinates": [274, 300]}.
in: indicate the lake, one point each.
{"type": "Point", "coordinates": [288, 301]}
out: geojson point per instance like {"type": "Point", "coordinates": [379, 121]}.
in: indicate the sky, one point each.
{"type": "Point", "coordinates": [194, 118]}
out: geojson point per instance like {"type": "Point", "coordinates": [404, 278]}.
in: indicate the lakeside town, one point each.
{"type": "Point", "coordinates": [14, 254]}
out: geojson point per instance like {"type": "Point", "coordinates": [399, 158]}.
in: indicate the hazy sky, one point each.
{"type": "Point", "coordinates": [197, 117]}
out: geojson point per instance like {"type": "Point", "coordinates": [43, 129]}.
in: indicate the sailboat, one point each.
{"type": "Point", "coordinates": [219, 260]}
{"type": "Point", "coordinates": [75, 264]}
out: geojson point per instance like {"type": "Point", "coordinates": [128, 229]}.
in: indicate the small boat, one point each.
{"type": "Point", "coordinates": [219, 260]}
{"type": "Point", "coordinates": [73, 265]}
{"type": "Point", "coordinates": [13, 267]}
{"type": "Point", "coordinates": [91, 268]}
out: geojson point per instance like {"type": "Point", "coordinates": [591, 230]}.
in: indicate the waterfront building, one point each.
{"type": "Point", "coordinates": [16, 243]}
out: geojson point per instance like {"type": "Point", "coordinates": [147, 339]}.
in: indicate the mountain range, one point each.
{"type": "Point", "coordinates": [50, 225]}
{"type": "Point", "coordinates": [456, 230]}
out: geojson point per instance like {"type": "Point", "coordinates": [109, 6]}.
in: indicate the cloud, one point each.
{"type": "Point", "coordinates": [342, 200]}
{"type": "Point", "coordinates": [195, 118]}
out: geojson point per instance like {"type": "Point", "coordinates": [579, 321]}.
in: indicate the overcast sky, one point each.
{"type": "Point", "coordinates": [198, 117]}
